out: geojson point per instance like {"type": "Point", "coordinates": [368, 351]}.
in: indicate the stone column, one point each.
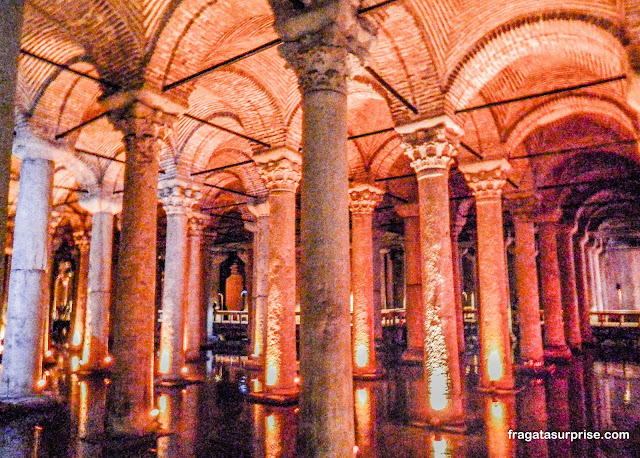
{"type": "Point", "coordinates": [599, 274]}
{"type": "Point", "coordinates": [260, 229]}
{"type": "Point", "coordinates": [23, 349]}
{"type": "Point", "coordinates": [523, 210]}
{"type": "Point", "coordinates": [280, 169]}
{"type": "Point", "coordinates": [567, 268]}
{"type": "Point", "coordinates": [364, 199]}
{"type": "Point", "coordinates": [486, 179]}
{"type": "Point", "coordinates": [96, 331]}
{"type": "Point", "coordinates": [82, 241]}
{"type": "Point", "coordinates": [431, 146]}
{"type": "Point", "coordinates": [319, 56]}
{"type": "Point", "coordinates": [456, 229]}
{"type": "Point", "coordinates": [554, 336]}
{"type": "Point", "coordinates": [414, 305]}
{"type": "Point", "coordinates": [177, 198]}
{"type": "Point", "coordinates": [195, 314]}
{"type": "Point", "coordinates": [133, 321]}
{"type": "Point", "coordinates": [583, 287]}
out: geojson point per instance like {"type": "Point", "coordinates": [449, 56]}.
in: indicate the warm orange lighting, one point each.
{"type": "Point", "coordinates": [75, 363]}
{"type": "Point", "coordinates": [495, 368]}
{"type": "Point", "coordinates": [108, 359]}
{"type": "Point", "coordinates": [106, 381]}
{"type": "Point", "coordinates": [356, 449]}
{"type": "Point", "coordinates": [438, 389]}
{"type": "Point", "coordinates": [440, 448]}
{"type": "Point", "coordinates": [162, 403]}
{"type": "Point", "coordinates": [155, 412]}
{"type": "Point", "coordinates": [271, 423]}
{"type": "Point", "coordinates": [272, 375]}
{"type": "Point", "coordinates": [362, 395]}
{"type": "Point", "coordinates": [184, 369]}
{"type": "Point", "coordinates": [296, 410]}
{"type": "Point", "coordinates": [296, 380]}
{"type": "Point", "coordinates": [77, 338]}
{"type": "Point", "coordinates": [41, 383]}
{"type": "Point", "coordinates": [497, 411]}
{"type": "Point", "coordinates": [184, 391]}
{"type": "Point", "coordinates": [165, 361]}
{"type": "Point", "coordinates": [48, 353]}
{"type": "Point", "coordinates": [362, 355]}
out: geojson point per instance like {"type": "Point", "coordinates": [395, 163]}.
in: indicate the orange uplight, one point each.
{"type": "Point", "coordinates": [495, 368]}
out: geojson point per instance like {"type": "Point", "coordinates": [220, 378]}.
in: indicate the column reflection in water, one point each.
{"type": "Point", "coordinates": [365, 411]}
{"type": "Point", "coordinates": [19, 439]}
{"type": "Point", "coordinates": [274, 430]}
{"type": "Point", "coordinates": [578, 410]}
{"type": "Point", "coordinates": [558, 409]}
{"type": "Point", "coordinates": [499, 418]}
{"type": "Point", "coordinates": [177, 419]}
{"type": "Point", "coordinates": [532, 416]}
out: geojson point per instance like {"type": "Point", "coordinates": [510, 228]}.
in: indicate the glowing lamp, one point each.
{"type": "Point", "coordinates": [75, 363]}
{"type": "Point", "coordinates": [48, 353]}
{"type": "Point", "coordinates": [108, 359]}
{"type": "Point", "coordinates": [162, 403]}
{"type": "Point", "coordinates": [296, 380]}
{"type": "Point", "coordinates": [271, 423]}
{"type": "Point", "coordinates": [184, 369]}
{"type": "Point", "coordinates": [155, 412]}
{"type": "Point", "coordinates": [272, 375]}
{"type": "Point", "coordinates": [77, 338]}
{"type": "Point", "coordinates": [41, 383]}
{"type": "Point", "coordinates": [497, 411]}
{"type": "Point", "coordinates": [362, 395]}
{"type": "Point", "coordinates": [494, 366]}
{"type": "Point", "coordinates": [106, 381]}
{"type": "Point", "coordinates": [165, 361]}
{"type": "Point", "coordinates": [439, 447]}
{"type": "Point", "coordinates": [356, 449]}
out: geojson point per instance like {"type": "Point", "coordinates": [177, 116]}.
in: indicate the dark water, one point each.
{"type": "Point", "coordinates": [212, 419]}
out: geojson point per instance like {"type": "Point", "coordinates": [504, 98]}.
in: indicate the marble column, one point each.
{"type": "Point", "coordinates": [431, 146]}
{"type": "Point", "coordinates": [413, 285]}
{"type": "Point", "coordinates": [566, 264]}
{"type": "Point", "coordinates": [195, 314]}
{"type": "Point", "coordinates": [280, 169]}
{"type": "Point", "coordinates": [82, 241]}
{"type": "Point", "coordinates": [456, 229]}
{"type": "Point", "coordinates": [260, 229]}
{"type": "Point", "coordinates": [523, 212]}
{"type": "Point", "coordinates": [364, 199]}
{"type": "Point", "coordinates": [23, 349]}
{"type": "Point", "coordinates": [486, 180]}
{"type": "Point", "coordinates": [554, 335]}
{"type": "Point", "coordinates": [133, 320]}
{"type": "Point", "coordinates": [96, 331]}
{"type": "Point", "coordinates": [177, 198]}
{"type": "Point", "coordinates": [319, 55]}
{"type": "Point", "coordinates": [584, 290]}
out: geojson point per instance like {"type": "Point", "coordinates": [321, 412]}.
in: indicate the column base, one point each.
{"type": "Point", "coordinates": [576, 349]}
{"type": "Point", "coordinates": [274, 399]}
{"type": "Point", "coordinates": [453, 427]}
{"type": "Point", "coordinates": [254, 363]}
{"type": "Point", "coordinates": [18, 406]}
{"type": "Point", "coordinates": [557, 353]}
{"type": "Point", "coordinates": [535, 369]}
{"type": "Point", "coordinates": [498, 391]}
{"type": "Point", "coordinates": [412, 357]}
{"type": "Point", "coordinates": [172, 381]}
{"type": "Point", "coordinates": [377, 374]}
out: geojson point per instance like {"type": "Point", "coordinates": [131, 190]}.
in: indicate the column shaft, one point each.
{"type": "Point", "coordinates": [80, 312]}
{"type": "Point", "coordinates": [195, 312]}
{"type": "Point", "coordinates": [260, 280]}
{"type": "Point", "coordinates": [566, 264]}
{"type": "Point", "coordinates": [23, 350]}
{"type": "Point", "coordinates": [584, 297]}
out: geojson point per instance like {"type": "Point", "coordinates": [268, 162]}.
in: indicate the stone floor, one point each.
{"type": "Point", "coordinates": [212, 419]}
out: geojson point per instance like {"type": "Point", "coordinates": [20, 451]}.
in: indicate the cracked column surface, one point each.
{"type": "Point", "coordinates": [431, 146]}
{"type": "Point", "coordinates": [486, 179]}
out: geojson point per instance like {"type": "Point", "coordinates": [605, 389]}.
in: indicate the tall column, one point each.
{"type": "Point", "coordinates": [600, 279]}
{"type": "Point", "coordinates": [82, 241]}
{"type": "Point", "coordinates": [319, 56]}
{"type": "Point", "coordinates": [364, 199]}
{"type": "Point", "coordinates": [260, 229]}
{"type": "Point", "coordinates": [177, 198]}
{"type": "Point", "coordinates": [280, 169]}
{"type": "Point", "coordinates": [133, 321]}
{"type": "Point", "coordinates": [431, 146]}
{"type": "Point", "coordinates": [583, 287]}
{"type": "Point", "coordinates": [96, 331]}
{"type": "Point", "coordinates": [456, 228]}
{"type": "Point", "coordinates": [195, 312]}
{"type": "Point", "coordinates": [486, 179]}
{"type": "Point", "coordinates": [531, 350]}
{"type": "Point", "coordinates": [554, 336]}
{"type": "Point", "coordinates": [413, 285]}
{"type": "Point", "coordinates": [566, 264]}
{"type": "Point", "coordinates": [23, 349]}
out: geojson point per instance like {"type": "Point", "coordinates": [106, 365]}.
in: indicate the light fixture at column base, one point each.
{"type": "Point", "coordinates": [375, 375]}
{"type": "Point", "coordinates": [452, 427]}
{"type": "Point", "coordinates": [498, 391]}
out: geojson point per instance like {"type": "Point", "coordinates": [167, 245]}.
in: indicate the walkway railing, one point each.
{"type": "Point", "coordinates": [390, 317]}
{"type": "Point", "coordinates": [616, 319]}
{"type": "Point", "coordinates": [393, 317]}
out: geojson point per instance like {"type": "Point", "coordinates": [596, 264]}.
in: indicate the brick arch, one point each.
{"type": "Point", "coordinates": [581, 42]}
{"type": "Point", "coordinates": [563, 107]}
{"type": "Point", "coordinates": [386, 156]}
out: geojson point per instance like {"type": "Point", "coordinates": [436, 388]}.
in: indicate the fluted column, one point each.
{"type": "Point", "coordinates": [280, 169]}
{"type": "Point", "coordinates": [96, 331]}
{"type": "Point", "coordinates": [431, 146]}
{"type": "Point", "coordinates": [566, 264]}
{"type": "Point", "coordinates": [260, 229]}
{"type": "Point", "coordinates": [195, 310]}
{"type": "Point", "coordinates": [133, 320]}
{"type": "Point", "coordinates": [523, 211]}
{"type": "Point", "coordinates": [554, 335]}
{"type": "Point", "coordinates": [23, 349]}
{"type": "Point", "coordinates": [317, 46]}
{"type": "Point", "coordinates": [413, 285]}
{"type": "Point", "coordinates": [82, 241]}
{"type": "Point", "coordinates": [486, 179]}
{"type": "Point", "coordinates": [364, 199]}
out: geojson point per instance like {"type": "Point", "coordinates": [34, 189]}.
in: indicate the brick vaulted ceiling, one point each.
{"type": "Point", "coordinates": [440, 55]}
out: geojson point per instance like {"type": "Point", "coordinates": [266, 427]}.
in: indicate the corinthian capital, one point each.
{"type": "Point", "coordinates": [280, 169]}
{"type": "Point", "coordinates": [178, 197]}
{"type": "Point", "coordinates": [486, 178]}
{"type": "Point", "coordinates": [431, 144]}
{"type": "Point", "coordinates": [364, 198]}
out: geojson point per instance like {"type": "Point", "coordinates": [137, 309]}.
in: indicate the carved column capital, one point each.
{"type": "Point", "coordinates": [280, 169]}
{"type": "Point", "coordinates": [431, 144]}
{"type": "Point", "coordinates": [178, 197]}
{"type": "Point", "coordinates": [486, 178]}
{"type": "Point", "coordinates": [82, 240]}
{"type": "Point", "coordinates": [98, 202]}
{"type": "Point", "coordinates": [197, 222]}
{"type": "Point", "coordinates": [364, 198]}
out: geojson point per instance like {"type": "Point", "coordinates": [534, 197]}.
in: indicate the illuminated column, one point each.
{"type": "Point", "coordinates": [499, 419]}
{"type": "Point", "coordinates": [280, 169]}
{"type": "Point", "coordinates": [456, 228]}
{"type": "Point", "coordinates": [260, 229]}
{"type": "Point", "coordinates": [365, 416]}
{"type": "Point", "coordinates": [554, 336]}
{"type": "Point", "coordinates": [195, 312]}
{"type": "Point", "coordinates": [133, 320]}
{"type": "Point", "coordinates": [598, 274]}
{"type": "Point", "coordinates": [177, 199]}
{"type": "Point", "coordinates": [414, 306]}
{"type": "Point", "coordinates": [523, 209]}
{"type": "Point", "coordinates": [566, 264]}
{"type": "Point", "coordinates": [23, 349]}
{"type": "Point", "coordinates": [317, 46]}
{"type": "Point", "coordinates": [82, 241]}
{"type": "Point", "coordinates": [486, 180]}
{"type": "Point", "coordinates": [364, 199]}
{"type": "Point", "coordinates": [96, 331]}
{"type": "Point", "coordinates": [431, 147]}
{"type": "Point", "coordinates": [583, 288]}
